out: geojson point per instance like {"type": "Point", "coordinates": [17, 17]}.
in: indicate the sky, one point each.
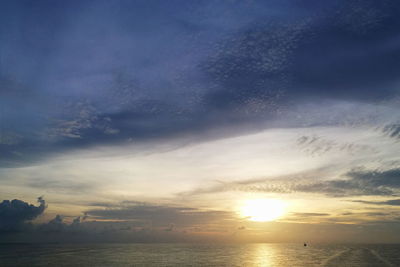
{"type": "Point", "coordinates": [215, 121]}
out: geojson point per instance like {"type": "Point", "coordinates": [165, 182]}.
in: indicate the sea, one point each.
{"type": "Point", "coordinates": [277, 255]}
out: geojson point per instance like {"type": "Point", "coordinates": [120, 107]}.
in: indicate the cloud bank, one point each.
{"type": "Point", "coordinates": [16, 213]}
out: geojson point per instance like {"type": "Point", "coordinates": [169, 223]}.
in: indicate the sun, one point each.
{"type": "Point", "coordinates": [262, 210]}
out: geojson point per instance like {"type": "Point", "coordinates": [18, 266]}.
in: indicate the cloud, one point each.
{"type": "Point", "coordinates": [57, 224]}
{"type": "Point", "coordinates": [78, 119]}
{"type": "Point", "coordinates": [160, 215]}
{"type": "Point", "coordinates": [253, 64]}
{"type": "Point", "coordinates": [144, 225]}
{"type": "Point", "coordinates": [310, 214]}
{"type": "Point", "coordinates": [392, 130]}
{"type": "Point", "coordinates": [318, 145]}
{"type": "Point", "coordinates": [64, 185]}
{"type": "Point", "coordinates": [305, 56]}
{"type": "Point", "coordinates": [54, 225]}
{"type": "Point", "coordinates": [354, 183]}
{"type": "Point", "coordinates": [308, 217]}
{"type": "Point", "coordinates": [15, 213]}
{"type": "Point", "coordinates": [391, 202]}
{"type": "Point", "coordinates": [358, 183]}
{"type": "Point", "coordinates": [128, 221]}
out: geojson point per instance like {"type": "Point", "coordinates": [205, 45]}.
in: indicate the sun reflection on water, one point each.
{"type": "Point", "coordinates": [264, 255]}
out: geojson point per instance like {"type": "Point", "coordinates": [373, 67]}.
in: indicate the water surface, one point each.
{"type": "Point", "coordinates": [276, 255]}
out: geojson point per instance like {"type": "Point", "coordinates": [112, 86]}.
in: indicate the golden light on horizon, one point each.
{"type": "Point", "coordinates": [262, 210]}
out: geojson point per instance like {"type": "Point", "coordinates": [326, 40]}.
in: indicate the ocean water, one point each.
{"type": "Point", "coordinates": [291, 255]}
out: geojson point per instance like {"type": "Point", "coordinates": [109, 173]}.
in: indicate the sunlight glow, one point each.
{"type": "Point", "coordinates": [262, 210]}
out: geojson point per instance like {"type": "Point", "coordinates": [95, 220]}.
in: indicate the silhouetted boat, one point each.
{"type": "Point", "coordinates": [305, 244]}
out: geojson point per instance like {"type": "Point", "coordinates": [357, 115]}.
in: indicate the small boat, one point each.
{"type": "Point", "coordinates": [305, 244]}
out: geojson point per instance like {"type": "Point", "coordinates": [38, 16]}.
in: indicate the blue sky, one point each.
{"type": "Point", "coordinates": [165, 106]}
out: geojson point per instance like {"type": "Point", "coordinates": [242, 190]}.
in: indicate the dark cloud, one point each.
{"type": "Point", "coordinates": [391, 202]}
{"type": "Point", "coordinates": [60, 185]}
{"type": "Point", "coordinates": [314, 58]}
{"type": "Point", "coordinates": [57, 224]}
{"type": "Point", "coordinates": [354, 183]}
{"type": "Point", "coordinates": [161, 216]}
{"type": "Point", "coordinates": [309, 217]}
{"type": "Point", "coordinates": [182, 68]}
{"type": "Point", "coordinates": [54, 225]}
{"type": "Point", "coordinates": [128, 221]}
{"type": "Point", "coordinates": [310, 214]}
{"type": "Point", "coordinates": [358, 182]}
{"type": "Point", "coordinates": [369, 215]}
{"type": "Point", "coordinates": [377, 178]}
{"type": "Point", "coordinates": [392, 130]}
{"type": "Point", "coordinates": [15, 213]}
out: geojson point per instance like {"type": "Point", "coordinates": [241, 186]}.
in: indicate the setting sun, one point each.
{"type": "Point", "coordinates": [262, 210]}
